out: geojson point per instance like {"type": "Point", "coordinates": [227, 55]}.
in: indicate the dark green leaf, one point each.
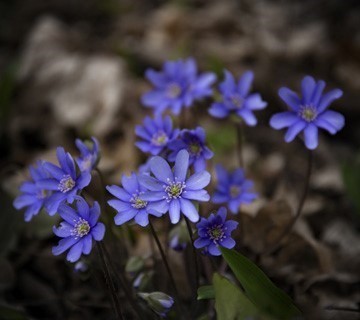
{"type": "Point", "coordinates": [259, 288]}
{"type": "Point", "coordinates": [205, 292]}
{"type": "Point", "coordinates": [231, 302]}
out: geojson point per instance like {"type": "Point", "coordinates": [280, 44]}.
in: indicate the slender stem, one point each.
{"type": "Point", "coordinates": [110, 284]}
{"type": "Point", "coordinates": [123, 282]}
{"type": "Point", "coordinates": [172, 280]}
{"type": "Point", "coordinates": [197, 275]}
{"type": "Point", "coordinates": [239, 141]}
{"type": "Point", "coordinates": [300, 206]}
{"type": "Point", "coordinates": [240, 138]}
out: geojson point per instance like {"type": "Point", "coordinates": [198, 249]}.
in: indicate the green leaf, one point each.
{"type": "Point", "coordinates": [231, 302]}
{"type": "Point", "coordinates": [205, 292]}
{"type": "Point", "coordinates": [259, 288]}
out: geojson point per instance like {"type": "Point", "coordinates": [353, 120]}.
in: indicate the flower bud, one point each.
{"type": "Point", "coordinates": [159, 302]}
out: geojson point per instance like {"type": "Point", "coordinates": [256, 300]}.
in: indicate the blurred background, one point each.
{"type": "Point", "coordinates": [75, 68]}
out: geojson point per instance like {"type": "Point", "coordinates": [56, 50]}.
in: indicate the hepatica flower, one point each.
{"type": "Point", "coordinates": [215, 231]}
{"type": "Point", "coordinates": [89, 154]}
{"type": "Point", "coordinates": [233, 189]}
{"type": "Point", "coordinates": [78, 230]}
{"type": "Point", "coordinates": [129, 202]}
{"type": "Point", "coordinates": [177, 86]}
{"type": "Point", "coordinates": [309, 112]}
{"type": "Point", "coordinates": [64, 182]}
{"type": "Point", "coordinates": [194, 142]}
{"type": "Point", "coordinates": [171, 190]}
{"type": "Point", "coordinates": [237, 99]}
{"type": "Point", "coordinates": [32, 196]}
{"type": "Point", "coordinates": [156, 134]}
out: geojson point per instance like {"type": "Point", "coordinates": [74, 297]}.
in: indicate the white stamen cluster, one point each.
{"type": "Point", "coordinates": [174, 189]}
{"type": "Point", "coordinates": [66, 184]}
{"type": "Point", "coordinates": [308, 112]}
{"type": "Point", "coordinates": [81, 228]}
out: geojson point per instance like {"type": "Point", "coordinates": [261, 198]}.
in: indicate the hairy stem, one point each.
{"type": "Point", "coordinates": [300, 206]}
{"type": "Point", "coordinates": [109, 283]}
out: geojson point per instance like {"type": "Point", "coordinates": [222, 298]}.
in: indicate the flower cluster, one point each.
{"type": "Point", "coordinates": [177, 86]}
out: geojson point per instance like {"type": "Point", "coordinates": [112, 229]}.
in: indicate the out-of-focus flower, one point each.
{"type": "Point", "coordinates": [130, 203]}
{"type": "Point", "coordinates": [179, 237]}
{"type": "Point", "coordinates": [215, 231]}
{"type": "Point", "coordinates": [194, 142]}
{"type": "Point", "coordinates": [172, 190]}
{"type": "Point", "coordinates": [232, 189]}
{"type": "Point", "coordinates": [159, 302]}
{"type": "Point", "coordinates": [89, 154]}
{"type": "Point", "coordinates": [156, 134]}
{"type": "Point", "coordinates": [65, 182]}
{"type": "Point", "coordinates": [236, 99]}
{"type": "Point", "coordinates": [32, 196]}
{"type": "Point", "coordinates": [309, 112]}
{"type": "Point", "coordinates": [78, 229]}
{"type": "Point", "coordinates": [178, 85]}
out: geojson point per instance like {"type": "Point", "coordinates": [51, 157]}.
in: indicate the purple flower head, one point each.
{"type": "Point", "coordinates": [194, 142]}
{"type": "Point", "coordinates": [233, 189]}
{"type": "Point", "coordinates": [90, 155]}
{"type": "Point", "coordinates": [309, 112]}
{"type": "Point", "coordinates": [32, 196]}
{"type": "Point", "coordinates": [130, 203]}
{"type": "Point", "coordinates": [156, 134]}
{"type": "Point", "coordinates": [79, 228]}
{"type": "Point", "coordinates": [65, 182]}
{"type": "Point", "coordinates": [236, 99]}
{"type": "Point", "coordinates": [177, 86]}
{"type": "Point", "coordinates": [172, 190]}
{"type": "Point", "coordinates": [215, 231]}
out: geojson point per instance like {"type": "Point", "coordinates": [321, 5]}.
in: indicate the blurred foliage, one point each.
{"type": "Point", "coordinates": [351, 178]}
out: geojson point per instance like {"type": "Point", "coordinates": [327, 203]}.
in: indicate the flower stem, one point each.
{"type": "Point", "coordinates": [123, 282]}
{"type": "Point", "coordinates": [109, 283]}
{"type": "Point", "coordinates": [197, 275]}
{"type": "Point", "coordinates": [172, 280]}
{"type": "Point", "coordinates": [300, 206]}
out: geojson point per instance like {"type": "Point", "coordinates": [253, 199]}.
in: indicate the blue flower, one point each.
{"type": "Point", "coordinates": [90, 156]}
{"type": "Point", "coordinates": [177, 86]}
{"type": "Point", "coordinates": [236, 99]}
{"type": "Point", "coordinates": [65, 181]}
{"type": "Point", "coordinates": [215, 231]}
{"type": "Point", "coordinates": [232, 188]}
{"type": "Point", "coordinates": [32, 196]}
{"type": "Point", "coordinates": [309, 112]}
{"type": "Point", "coordinates": [130, 203]}
{"type": "Point", "coordinates": [156, 133]}
{"type": "Point", "coordinates": [172, 190]}
{"type": "Point", "coordinates": [194, 142]}
{"type": "Point", "coordinates": [78, 229]}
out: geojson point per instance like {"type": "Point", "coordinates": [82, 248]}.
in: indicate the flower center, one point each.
{"type": "Point", "coordinates": [173, 90]}
{"type": "Point", "coordinates": [237, 101]}
{"type": "Point", "coordinates": [81, 228]}
{"type": "Point", "coordinates": [216, 233]}
{"type": "Point", "coordinates": [308, 113]}
{"type": "Point", "coordinates": [137, 202]}
{"type": "Point", "coordinates": [66, 184]}
{"type": "Point", "coordinates": [174, 190]}
{"type": "Point", "coordinates": [194, 148]}
{"type": "Point", "coordinates": [234, 191]}
{"type": "Point", "coordinates": [159, 138]}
